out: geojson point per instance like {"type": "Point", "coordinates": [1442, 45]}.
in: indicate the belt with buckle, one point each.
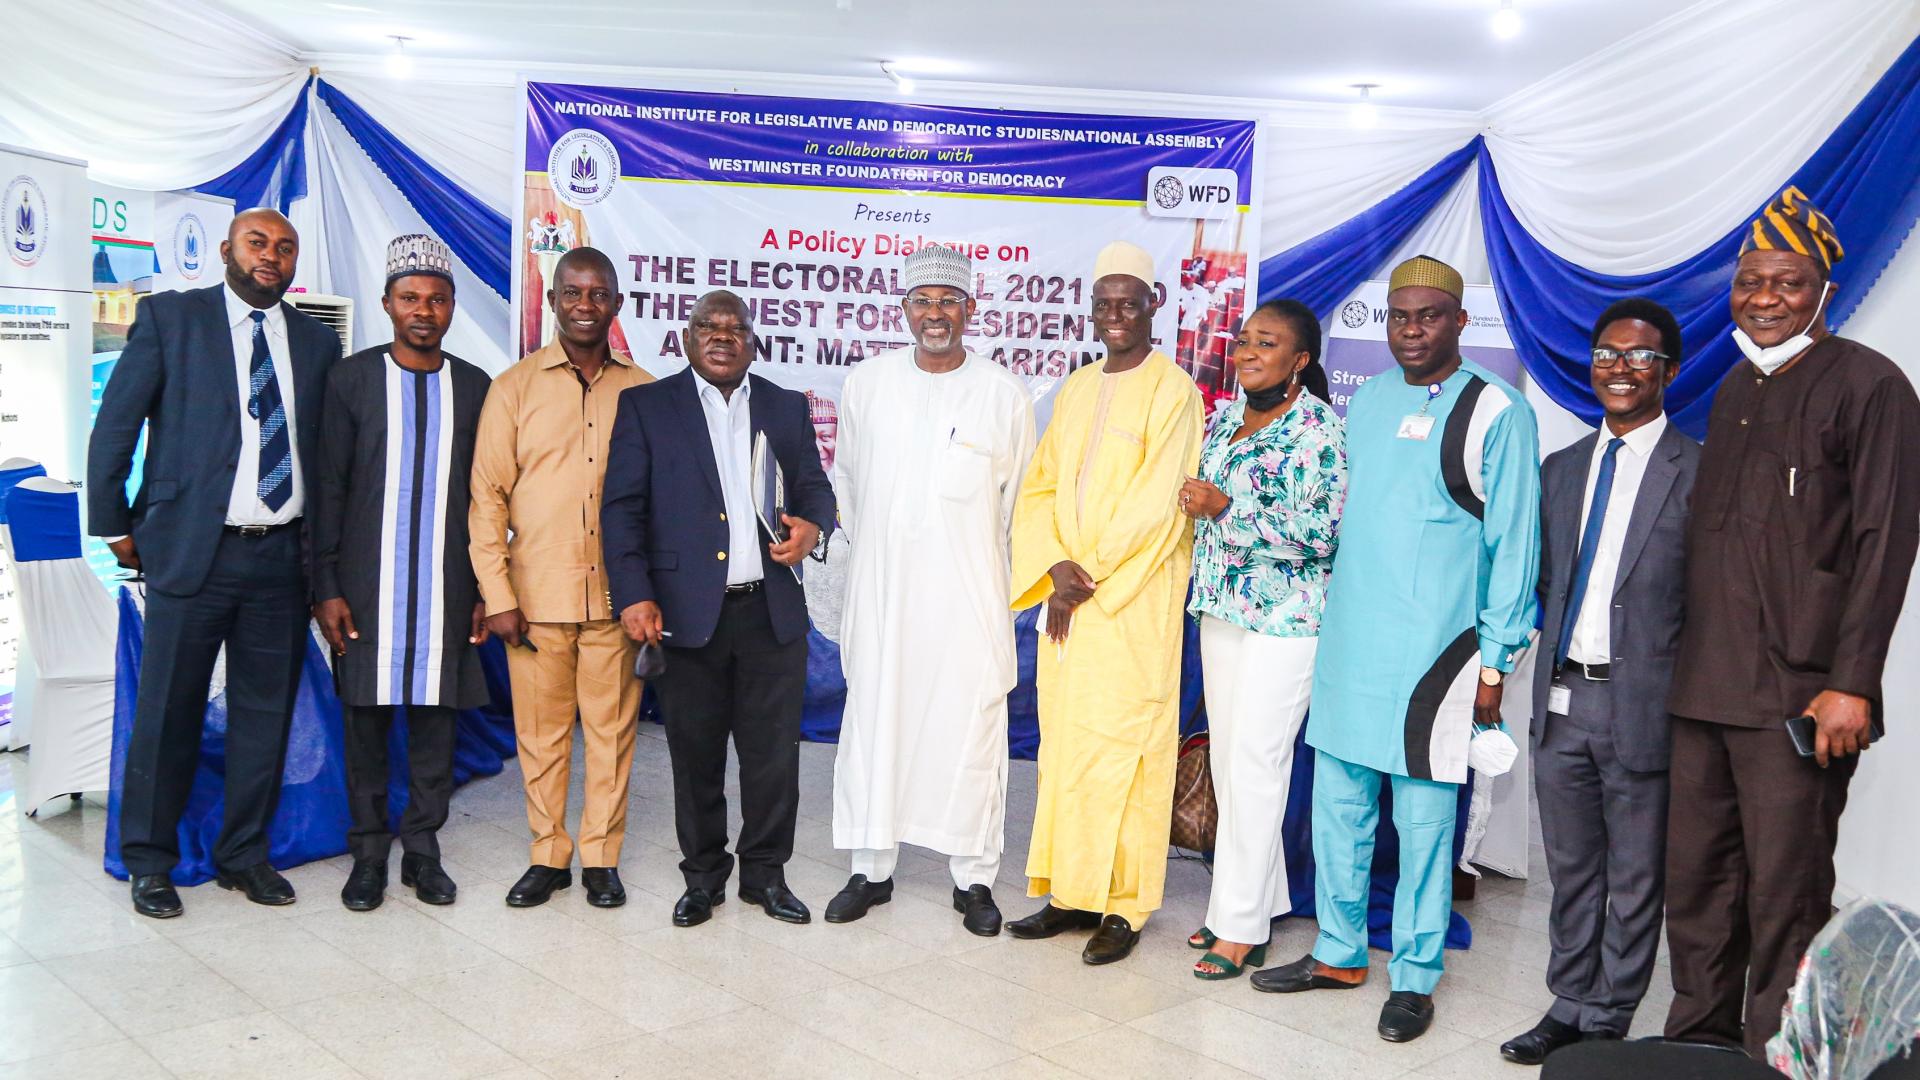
{"type": "Point", "coordinates": [1589, 672]}
{"type": "Point", "coordinates": [254, 531]}
{"type": "Point", "coordinates": [744, 588]}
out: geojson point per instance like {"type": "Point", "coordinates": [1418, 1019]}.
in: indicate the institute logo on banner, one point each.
{"type": "Point", "coordinates": [190, 246]}
{"type": "Point", "coordinates": [1355, 313]}
{"type": "Point", "coordinates": [1192, 193]}
{"type": "Point", "coordinates": [583, 168]}
{"type": "Point", "coordinates": [25, 223]}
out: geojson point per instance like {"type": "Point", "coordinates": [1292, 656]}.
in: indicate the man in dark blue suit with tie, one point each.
{"type": "Point", "coordinates": [1613, 521]}
{"type": "Point", "coordinates": [227, 382]}
{"type": "Point", "coordinates": [691, 569]}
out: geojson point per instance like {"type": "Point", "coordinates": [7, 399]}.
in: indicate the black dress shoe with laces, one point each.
{"type": "Point", "coordinates": [261, 882]}
{"type": "Point", "coordinates": [603, 886]}
{"type": "Point", "coordinates": [1532, 1047]}
{"type": "Point", "coordinates": [1050, 921]}
{"type": "Point", "coordinates": [696, 905]}
{"type": "Point", "coordinates": [1406, 1016]}
{"type": "Point", "coordinates": [366, 885]}
{"type": "Point", "coordinates": [978, 913]}
{"type": "Point", "coordinates": [428, 879]}
{"type": "Point", "coordinates": [778, 901]}
{"type": "Point", "coordinates": [859, 895]}
{"type": "Point", "coordinates": [155, 897]}
{"type": "Point", "coordinates": [538, 885]}
{"type": "Point", "coordinates": [1113, 941]}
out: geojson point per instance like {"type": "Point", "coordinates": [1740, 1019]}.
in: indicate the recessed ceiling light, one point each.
{"type": "Point", "coordinates": [399, 64]}
{"type": "Point", "coordinates": [1365, 113]}
{"type": "Point", "coordinates": [1506, 21]}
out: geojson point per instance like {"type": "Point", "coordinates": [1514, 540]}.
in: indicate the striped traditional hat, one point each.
{"type": "Point", "coordinates": [1430, 272]}
{"type": "Point", "coordinates": [938, 265]}
{"type": "Point", "coordinates": [1792, 223]}
{"type": "Point", "coordinates": [418, 253]}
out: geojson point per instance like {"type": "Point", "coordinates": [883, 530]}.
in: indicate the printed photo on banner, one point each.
{"type": "Point", "coordinates": [807, 208]}
{"type": "Point", "coordinates": [1356, 348]}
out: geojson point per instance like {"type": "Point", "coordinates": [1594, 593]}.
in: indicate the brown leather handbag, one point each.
{"type": "Point", "coordinates": [1196, 814]}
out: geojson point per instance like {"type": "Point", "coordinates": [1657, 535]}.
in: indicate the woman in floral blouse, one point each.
{"type": "Point", "coordinates": [1266, 510]}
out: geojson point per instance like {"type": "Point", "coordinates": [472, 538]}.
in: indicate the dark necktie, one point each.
{"type": "Point", "coordinates": [275, 485]}
{"type": "Point", "coordinates": [1589, 541]}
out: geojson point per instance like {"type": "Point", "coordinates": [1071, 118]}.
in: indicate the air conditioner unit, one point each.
{"type": "Point", "coordinates": [335, 311]}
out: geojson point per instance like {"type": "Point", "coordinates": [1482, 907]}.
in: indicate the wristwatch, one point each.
{"type": "Point", "coordinates": [1490, 676]}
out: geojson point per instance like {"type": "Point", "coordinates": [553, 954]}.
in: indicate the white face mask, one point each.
{"type": "Point", "coordinates": [1770, 360]}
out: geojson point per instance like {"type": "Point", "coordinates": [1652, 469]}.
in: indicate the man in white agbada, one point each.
{"type": "Point", "coordinates": [933, 443]}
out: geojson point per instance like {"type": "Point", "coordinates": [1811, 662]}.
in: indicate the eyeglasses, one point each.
{"type": "Point", "coordinates": [948, 305]}
{"type": "Point", "coordinates": [1637, 359]}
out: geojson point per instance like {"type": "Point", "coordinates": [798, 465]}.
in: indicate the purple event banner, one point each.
{"type": "Point", "coordinates": [876, 146]}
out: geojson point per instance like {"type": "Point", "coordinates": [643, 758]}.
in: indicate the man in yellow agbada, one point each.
{"type": "Point", "coordinates": [1098, 536]}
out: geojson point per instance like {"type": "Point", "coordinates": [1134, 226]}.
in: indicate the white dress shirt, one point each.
{"type": "Point", "coordinates": [1593, 628]}
{"type": "Point", "coordinates": [244, 506]}
{"type": "Point", "coordinates": [730, 430]}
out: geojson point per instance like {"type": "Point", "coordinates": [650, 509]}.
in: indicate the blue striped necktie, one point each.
{"type": "Point", "coordinates": [275, 486]}
{"type": "Point", "coordinates": [1589, 543]}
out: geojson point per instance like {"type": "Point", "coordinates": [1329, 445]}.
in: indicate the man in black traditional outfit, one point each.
{"type": "Point", "coordinates": [394, 591]}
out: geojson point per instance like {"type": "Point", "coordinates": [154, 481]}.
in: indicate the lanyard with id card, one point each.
{"type": "Point", "coordinates": [1417, 426]}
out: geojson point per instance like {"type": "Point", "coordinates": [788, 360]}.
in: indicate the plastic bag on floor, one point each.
{"type": "Point", "coordinates": [1856, 1002]}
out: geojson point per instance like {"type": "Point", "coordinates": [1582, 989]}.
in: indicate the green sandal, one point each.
{"type": "Point", "coordinates": [1202, 938]}
{"type": "Point", "coordinates": [1256, 957]}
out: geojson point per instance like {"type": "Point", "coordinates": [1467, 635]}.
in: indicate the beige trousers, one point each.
{"type": "Point", "coordinates": [585, 667]}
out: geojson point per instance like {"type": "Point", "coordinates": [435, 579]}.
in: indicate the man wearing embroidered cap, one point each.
{"type": "Point", "coordinates": [1098, 537]}
{"type": "Point", "coordinates": [394, 589]}
{"type": "Point", "coordinates": [1430, 602]}
{"type": "Point", "coordinates": [1800, 543]}
{"type": "Point", "coordinates": [933, 442]}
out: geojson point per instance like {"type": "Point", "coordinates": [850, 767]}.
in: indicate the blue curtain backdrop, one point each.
{"type": "Point", "coordinates": [1865, 176]}
{"type": "Point", "coordinates": [275, 174]}
{"type": "Point", "coordinates": [478, 234]}
{"type": "Point", "coordinates": [1323, 271]}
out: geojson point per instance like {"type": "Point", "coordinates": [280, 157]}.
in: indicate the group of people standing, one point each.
{"type": "Point", "coordinates": [1374, 579]}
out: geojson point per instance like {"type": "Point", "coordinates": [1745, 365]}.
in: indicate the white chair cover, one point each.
{"type": "Point", "coordinates": [68, 625]}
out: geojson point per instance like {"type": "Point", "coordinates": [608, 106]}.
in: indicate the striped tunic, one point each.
{"type": "Point", "coordinates": [1435, 575]}
{"type": "Point", "coordinates": [390, 528]}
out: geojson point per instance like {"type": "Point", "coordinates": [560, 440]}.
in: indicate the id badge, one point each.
{"type": "Point", "coordinates": [1416, 427]}
{"type": "Point", "coordinates": [1559, 699]}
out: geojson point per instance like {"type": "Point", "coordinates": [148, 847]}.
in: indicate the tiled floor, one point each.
{"type": "Point", "coordinates": [88, 989]}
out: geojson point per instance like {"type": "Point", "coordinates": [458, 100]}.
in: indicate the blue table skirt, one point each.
{"type": "Point", "coordinates": [311, 822]}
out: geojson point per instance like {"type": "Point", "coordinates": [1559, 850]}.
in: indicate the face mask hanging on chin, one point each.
{"type": "Point", "coordinates": [1770, 360]}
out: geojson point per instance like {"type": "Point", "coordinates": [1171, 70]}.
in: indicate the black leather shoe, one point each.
{"type": "Point", "coordinates": [537, 885]}
{"type": "Point", "coordinates": [155, 897]}
{"type": "Point", "coordinates": [603, 886]}
{"type": "Point", "coordinates": [778, 901]}
{"type": "Point", "coordinates": [1296, 977]}
{"type": "Point", "coordinates": [428, 879]}
{"type": "Point", "coordinates": [1406, 1016]}
{"type": "Point", "coordinates": [1113, 941]}
{"type": "Point", "coordinates": [1050, 920]}
{"type": "Point", "coordinates": [366, 885]}
{"type": "Point", "coordinates": [852, 902]}
{"type": "Point", "coordinates": [1532, 1048]}
{"type": "Point", "coordinates": [695, 906]}
{"type": "Point", "coordinates": [261, 882]}
{"type": "Point", "coordinates": [978, 913]}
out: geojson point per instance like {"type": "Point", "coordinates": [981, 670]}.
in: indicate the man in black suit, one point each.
{"type": "Point", "coordinates": [692, 569]}
{"type": "Point", "coordinates": [1612, 588]}
{"type": "Point", "coordinates": [228, 382]}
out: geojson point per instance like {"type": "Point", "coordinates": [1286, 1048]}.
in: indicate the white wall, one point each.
{"type": "Point", "coordinates": [1876, 855]}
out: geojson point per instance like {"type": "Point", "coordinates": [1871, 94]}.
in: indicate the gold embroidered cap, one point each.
{"type": "Point", "coordinates": [1430, 272]}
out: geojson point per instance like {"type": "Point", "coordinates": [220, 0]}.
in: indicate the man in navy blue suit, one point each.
{"type": "Point", "coordinates": [227, 381]}
{"type": "Point", "coordinates": [692, 570]}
